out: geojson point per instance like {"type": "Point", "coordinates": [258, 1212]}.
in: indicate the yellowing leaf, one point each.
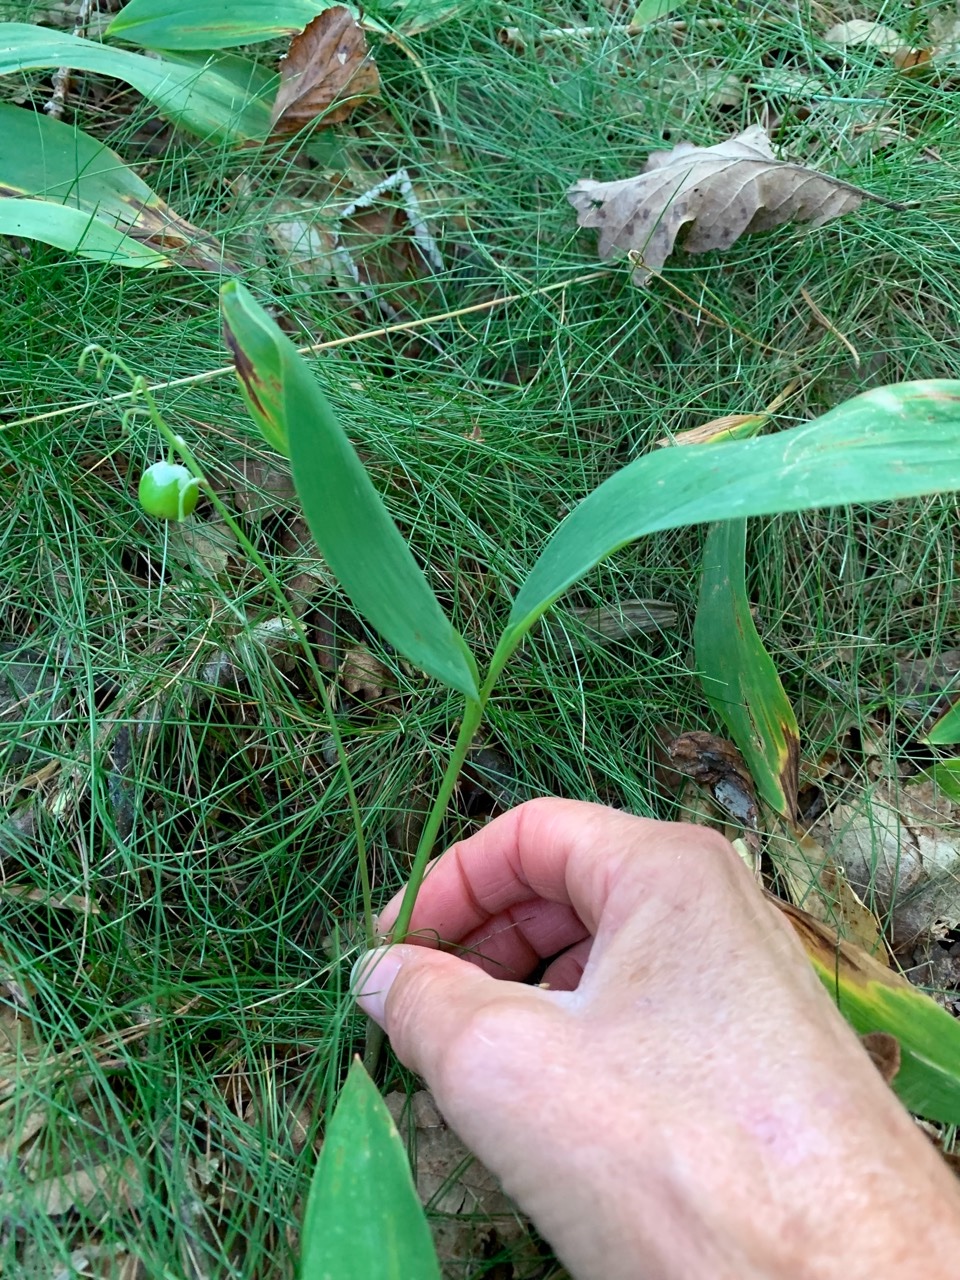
{"type": "Point", "coordinates": [706, 198]}
{"type": "Point", "coordinates": [103, 208]}
{"type": "Point", "coordinates": [874, 998]}
{"type": "Point", "coordinates": [738, 676]}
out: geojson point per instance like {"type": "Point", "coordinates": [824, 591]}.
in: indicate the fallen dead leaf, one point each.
{"type": "Point", "coordinates": [364, 675]}
{"type": "Point", "coordinates": [307, 246]}
{"type": "Point", "coordinates": [707, 198]}
{"type": "Point", "coordinates": [900, 849]}
{"type": "Point", "coordinates": [275, 638]}
{"type": "Point", "coordinates": [202, 545]}
{"type": "Point", "coordinates": [717, 765]}
{"type": "Point", "coordinates": [81, 1187]}
{"type": "Point", "coordinates": [478, 1219]}
{"type": "Point", "coordinates": [266, 485]}
{"type": "Point", "coordinates": [611, 623]}
{"type": "Point", "coordinates": [327, 72]}
{"type": "Point", "coordinates": [816, 883]}
{"type": "Point", "coordinates": [858, 32]}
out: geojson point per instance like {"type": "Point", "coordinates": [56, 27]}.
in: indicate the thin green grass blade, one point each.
{"type": "Point", "coordinates": [228, 99]}
{"type": "Point", "coordinates": [873, 998]}
{"type": "Point", "coordinates": [893, 442]}
{"type": "Point", "coordinates": [346, 515]}
{"type": "Point", "coordinates": [76, 231]}
{"type": "Point", "coordinates": [946, 731]}
{"type": "Point", "coordinates": [738, 676]}
{"type": "Point", "coordinates": [364, 1217]}
{"type": "Point", "coordinates": [211, 24]}
{"type": "Point", "coordinates": [40, 157]}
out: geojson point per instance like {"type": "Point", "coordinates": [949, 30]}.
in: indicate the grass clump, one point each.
{"type": "Point", "coordinates": [180, 892]}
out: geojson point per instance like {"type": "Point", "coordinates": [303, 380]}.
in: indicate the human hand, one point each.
{"type": "Point", "coordinates": [680, 1099]}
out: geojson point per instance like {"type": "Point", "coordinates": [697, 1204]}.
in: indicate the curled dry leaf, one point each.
{"type": "Point", "coordinates": [717, 765]}
{"type": "Point", "coordinates": [327, 72]}
{"type": "Point", "coordinates": [732, 426]}
{"type": "Point", "coordinates": [707, 198]}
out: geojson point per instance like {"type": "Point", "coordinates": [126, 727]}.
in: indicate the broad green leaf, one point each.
{"type": "Point", "coordinates": [874, 998]}
{"type": "Point", "coordinates": [363, 1216]}
{"type": "Point", "coordinates": [737, 674]}
{"type": "Point", "coordinates": [225, 97]}
{"type": "Point", "coordinates": [946, 731]}
{"type": "Point", "coordinates": [648, 11]}
{"type": "Point", "coordinates": [894, 442]}
{"type": "Point", "coordinates": [346, 515]}
{"type": "Point", "coordinates": [211, 24]}
{"type": "Point", "coordinates": [40, 157]}
{"type": "Point", "coordinates": [76, 231]}
{"type": "Point", "coordinates": [945, 774]}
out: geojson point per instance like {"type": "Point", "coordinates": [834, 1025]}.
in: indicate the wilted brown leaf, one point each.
{"type": "Point", "coordinates": [900, 848]}
{"type": "Point", "coordinates": [718, 766]}
{"type": "Point", "coordinates": [710, 196]}
{"type": "Point", "coordinates": [364, 675]}
{"type": "Point", "coordinates": [327, 72]}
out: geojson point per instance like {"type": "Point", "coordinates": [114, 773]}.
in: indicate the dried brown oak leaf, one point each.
{"type": "Point", "coordinates": [328, 71]}
{"type": "Point", "coordinates": [707, 198]}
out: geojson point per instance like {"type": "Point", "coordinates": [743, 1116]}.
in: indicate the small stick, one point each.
{"type": "Point", "coordinates": [830, 327]}
{"type": "Point", "coordinates": [61, 77]}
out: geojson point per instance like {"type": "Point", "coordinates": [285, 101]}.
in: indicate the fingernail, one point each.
{"type": "Point", "coordinates": [371, 979]}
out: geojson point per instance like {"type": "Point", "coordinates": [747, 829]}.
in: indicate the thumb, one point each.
{"type": "Point", "coordinates": [429, 1002]}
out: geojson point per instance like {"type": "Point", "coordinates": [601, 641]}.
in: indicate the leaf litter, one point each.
{"type": "Point", "coordinates": [705, 198]}
{"type": "Point", "coordinates": [472, 1219]}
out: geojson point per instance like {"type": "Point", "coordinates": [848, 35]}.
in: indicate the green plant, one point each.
{"type": "Point", "coordinates": [347, 1231]}
{"type": "Point", "coordinates": [169, 491]}
{"type": "Point", "coordinates": [883, 444]}
{"type": "Point", "coordinates": [62, 187]}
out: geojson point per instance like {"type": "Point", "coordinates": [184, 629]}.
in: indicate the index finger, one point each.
{"type": "Point", "coordinates": [564, 851]}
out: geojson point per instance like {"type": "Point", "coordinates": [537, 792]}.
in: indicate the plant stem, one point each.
{"type": "Point", "coordinates": [472, 715]}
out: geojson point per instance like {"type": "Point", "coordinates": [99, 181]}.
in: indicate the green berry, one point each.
{"type": "Point", "coordinates": [168, 491]}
